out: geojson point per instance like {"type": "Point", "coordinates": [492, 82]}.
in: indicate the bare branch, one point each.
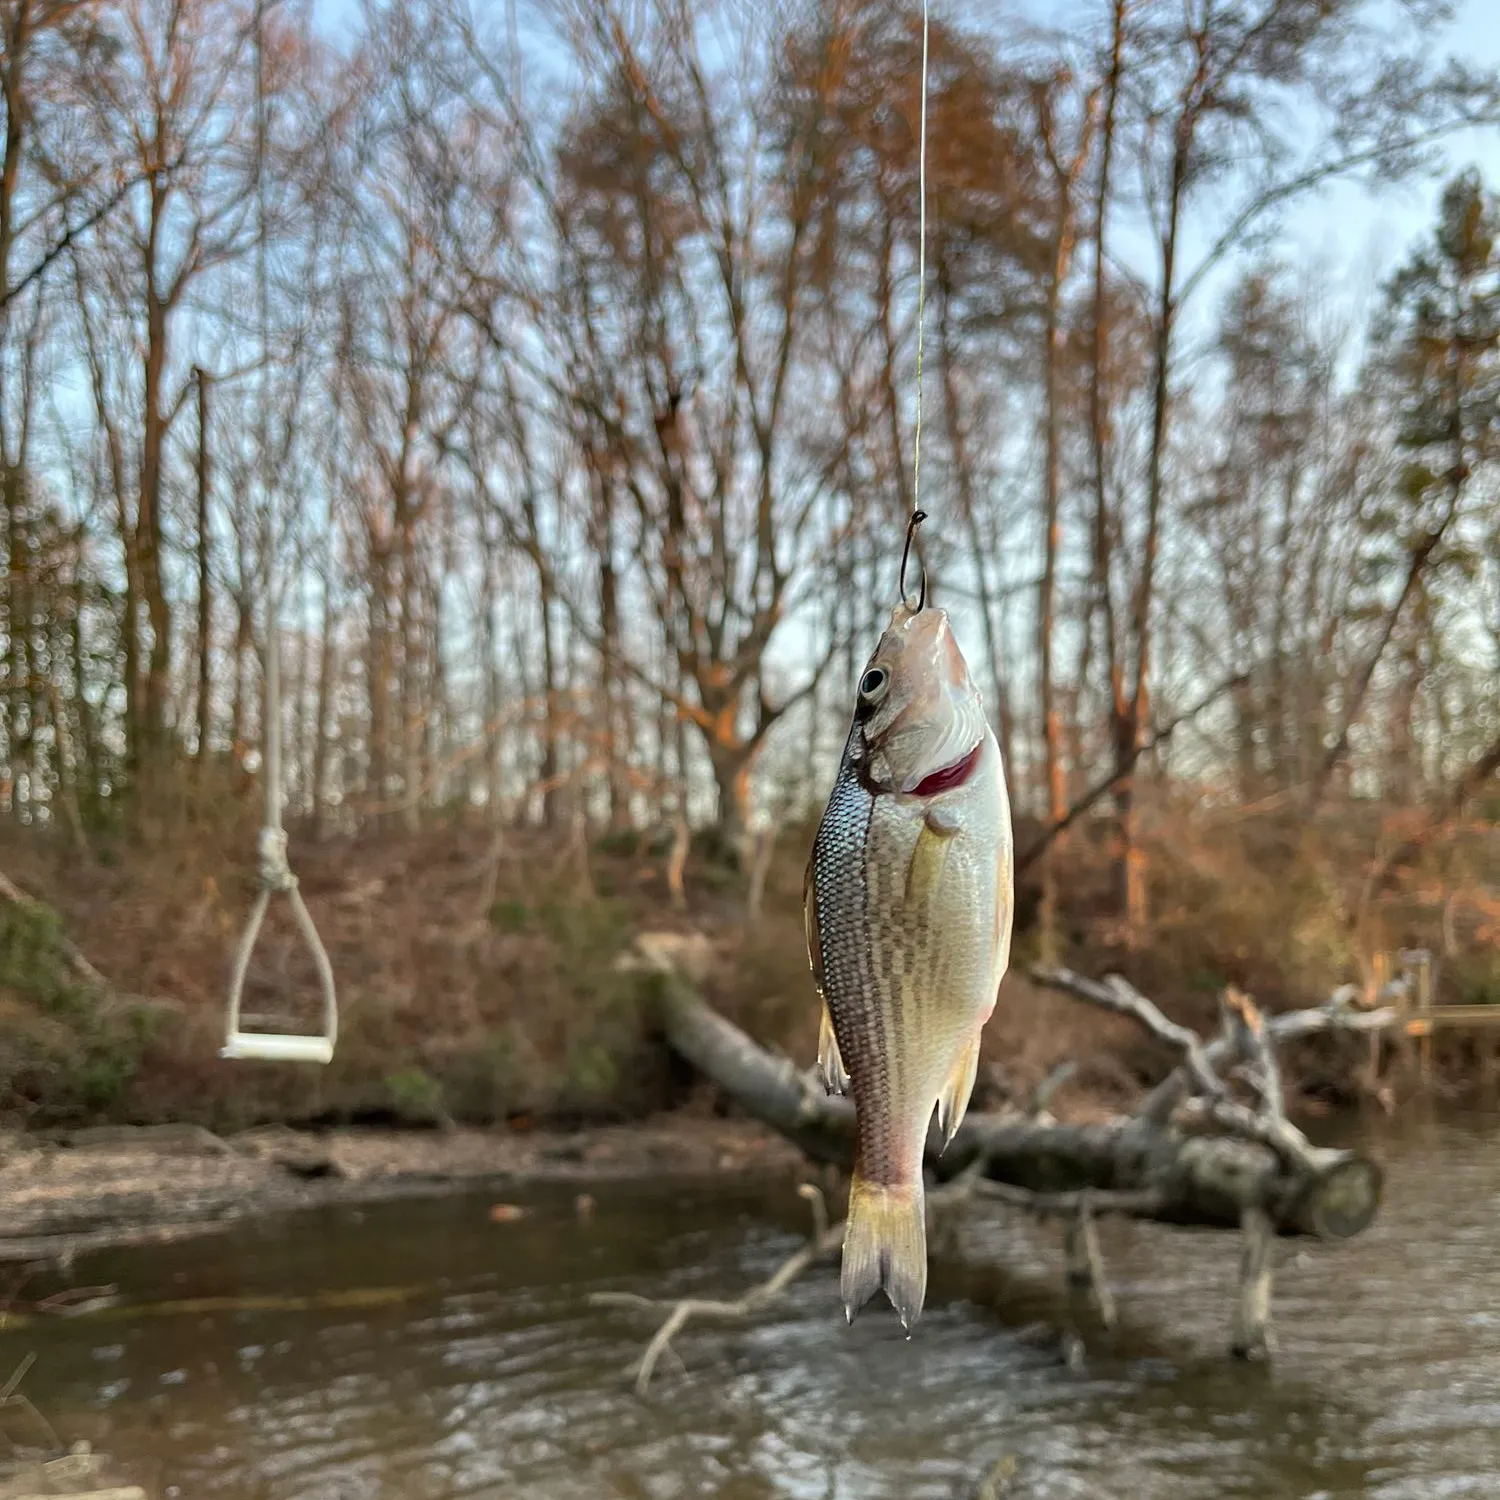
{"type": "Point", "coordinates": [1122, 772]}
{"type": "Point", "coordinates": [823, 1241]}
{"type": "Point", "coordinates": [1119, 996]}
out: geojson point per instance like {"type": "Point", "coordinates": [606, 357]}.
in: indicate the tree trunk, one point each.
{"type": "Point", "coordinates": [379, 673]}
{"type": "Point", "coordinates": [1133, 872]}
{"type": "Point", "coordinates": [731, 767]}
{"type": "Point", "coordinates": [1057, 790]}
{"type": "Point", "coordinates": [243, 637]}
{"type": "Point", "coordinates": [410, 702]}
{"type": "Point", "coordinates": [17, 42]}
{"type": "Point", "coordinates": [615, 699]}
{"type": "Point", "coordinates": [18, 669]}
{"type": "Point", "coordinates": [85, 740]}
{"type": "Point", "coordinates": [551, 798]}
{"type": "Point", "coordinates": [149, 533]}
{"type": "Point", "coordinates": [327, 671]}
{"type": "Point", "coordinates": [205, 596]}
{"type": "Point", "coordinates": [1120, 732]}
{"type": "Point", "coordinates": [493, 697]}
{"type": "Point", "coordinates": [963, 472]}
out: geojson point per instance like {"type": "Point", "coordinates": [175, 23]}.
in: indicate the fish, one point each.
{"type": "Point", "coordinates": [908, 902]}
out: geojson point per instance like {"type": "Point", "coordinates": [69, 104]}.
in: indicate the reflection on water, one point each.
{"type": "Point", "coordinates": [470, 1363]}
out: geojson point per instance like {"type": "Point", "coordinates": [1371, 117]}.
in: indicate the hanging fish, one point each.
{"type": "Point", "coordinates": [907, 903]}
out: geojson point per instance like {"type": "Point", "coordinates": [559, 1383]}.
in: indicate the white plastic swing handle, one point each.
{"type": "Point", "coordinates": [274, 1046]}
{"type": "Point", "coordinates": [277, 1047]}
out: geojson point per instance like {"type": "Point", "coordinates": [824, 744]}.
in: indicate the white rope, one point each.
{"type": "Point", "coordinates": [916, 466]}
{"type": "Point", "coordinates": [273, 871]}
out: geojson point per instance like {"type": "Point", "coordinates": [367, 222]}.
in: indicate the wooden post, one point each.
{"type": "Point", "coordinates": [1379, 974]}
{"type": "Point", "coordinates": [1253, 1337]}
{"type": "Point", "coordinates": [1424, 1007]}
{"type": "Point", "coordinates": [1085, 1262]}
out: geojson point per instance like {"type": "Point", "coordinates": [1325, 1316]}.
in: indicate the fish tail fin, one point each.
{"type": "Point", "coordinates": [885, 1245]}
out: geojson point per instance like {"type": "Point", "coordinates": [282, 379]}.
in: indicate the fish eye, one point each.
{"type": "Point", "coordinates": [873, 684]}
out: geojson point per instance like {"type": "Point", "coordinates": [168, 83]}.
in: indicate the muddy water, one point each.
{"type": "Point", "coordinates": [423, 1351]}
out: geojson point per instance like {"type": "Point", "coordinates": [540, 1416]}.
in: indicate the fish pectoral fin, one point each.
{"type": "Point", "coordinates": [953, 1102]}
{"type": "Point", "coordinates": [942, 820]}
{"type": "Point", "coordinates": [830, 1064]}
{"type": "Point", "coordinates": [928, 857]}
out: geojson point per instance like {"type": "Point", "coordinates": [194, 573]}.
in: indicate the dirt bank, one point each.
{"type": "Point", "coordinates": [87, 1189]}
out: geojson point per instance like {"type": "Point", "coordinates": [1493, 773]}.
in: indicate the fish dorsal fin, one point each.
{"type": "Point", "coordinates": [830, 1064]}
{"type": "Point", "coordinates": [810, 922]}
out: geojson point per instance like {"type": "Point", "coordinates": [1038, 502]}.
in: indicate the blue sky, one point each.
{"type": "Point", "coordinates": [1359, 236]}
{"type": "Point", "coordinates": [1353, 238]}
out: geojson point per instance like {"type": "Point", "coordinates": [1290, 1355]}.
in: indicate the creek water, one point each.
{"type": "Point", "coordinates": [421, 1350]}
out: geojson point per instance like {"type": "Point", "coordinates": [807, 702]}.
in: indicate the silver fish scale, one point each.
{"type": "Point", "coordinates": [882, 967]}
{"type": "Point", "coordinates": [840, 869]}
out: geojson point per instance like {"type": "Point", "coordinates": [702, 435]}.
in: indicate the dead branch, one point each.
{"type": "Point", "coordinates": [1192, 1179]}
{"type": "Point", "coordinates": [1142, 1203]}
{"type": "Point", "coordinates": [1047, 1089]}
{"type": "Point", "coordinates": [11, 1395]}
{"type": "Point", "coordinates": [1124, 999]}
{"type": "Point", "coordinates": [1337, 1013]}
{"type": "Point", "coordinates": [823, 1241]}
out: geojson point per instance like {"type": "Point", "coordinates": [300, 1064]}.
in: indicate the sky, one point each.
{"type": "Point", "coordinates": [1353, 238]}
{"type": "Point", "coordinates": [1343, 238]}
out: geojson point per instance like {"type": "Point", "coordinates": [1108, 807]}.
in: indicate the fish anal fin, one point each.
{"type": "Point", "coordinates": [953, 1102]}
{"type": "Point", "coordinates": [885, 1245]}
{"type": "Point", "coordinates": [830, 1064]}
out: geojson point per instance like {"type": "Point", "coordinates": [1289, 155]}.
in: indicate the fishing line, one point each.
{"type": "Point", "coordinates": [918, 515]}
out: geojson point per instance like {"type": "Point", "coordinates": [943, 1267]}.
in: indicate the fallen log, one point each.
{"type": "Point", "coordinates": [1191, 1154]}
{"type": "Point", "coordinates": [1178, 1176]}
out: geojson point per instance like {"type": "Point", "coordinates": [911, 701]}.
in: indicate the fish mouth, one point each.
{"type": "Point", "coordinates": [949, 776]}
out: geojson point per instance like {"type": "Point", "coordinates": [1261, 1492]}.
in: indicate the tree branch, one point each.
{"type": "Point", "coordinates": [1122, 772]}
{"type": "Point", "coordinates": [823, 1241]}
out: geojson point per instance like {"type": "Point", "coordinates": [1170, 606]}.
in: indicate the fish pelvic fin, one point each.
{"type": "Point", "coordinates": [830, 1064]}
{"type": "Point", "coordinates": [885, 1246]}
{"type": "Point", "coordinates": [953, 1102]}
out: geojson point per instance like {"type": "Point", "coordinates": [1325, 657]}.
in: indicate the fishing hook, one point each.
{"type": "Point", "coordinates": [917, 517]}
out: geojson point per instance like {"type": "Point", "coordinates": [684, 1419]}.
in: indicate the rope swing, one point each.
{"type": "Point", "coordinates": [273, 871]}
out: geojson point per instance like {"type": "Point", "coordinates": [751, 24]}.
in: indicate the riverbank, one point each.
{"type": "Point", "coordinates": [63, 1194]}
{"type": "Point", "coordinates": [481, 981]}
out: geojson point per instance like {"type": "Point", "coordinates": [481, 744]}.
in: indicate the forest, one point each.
{"type": "Point", "coordinates": [544, 376]}
{"type": "Point", "coordinates": [455, 461]}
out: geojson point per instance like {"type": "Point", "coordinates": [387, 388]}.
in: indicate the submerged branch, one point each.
{"type": "Point", "coordinates": [824, 1240]}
